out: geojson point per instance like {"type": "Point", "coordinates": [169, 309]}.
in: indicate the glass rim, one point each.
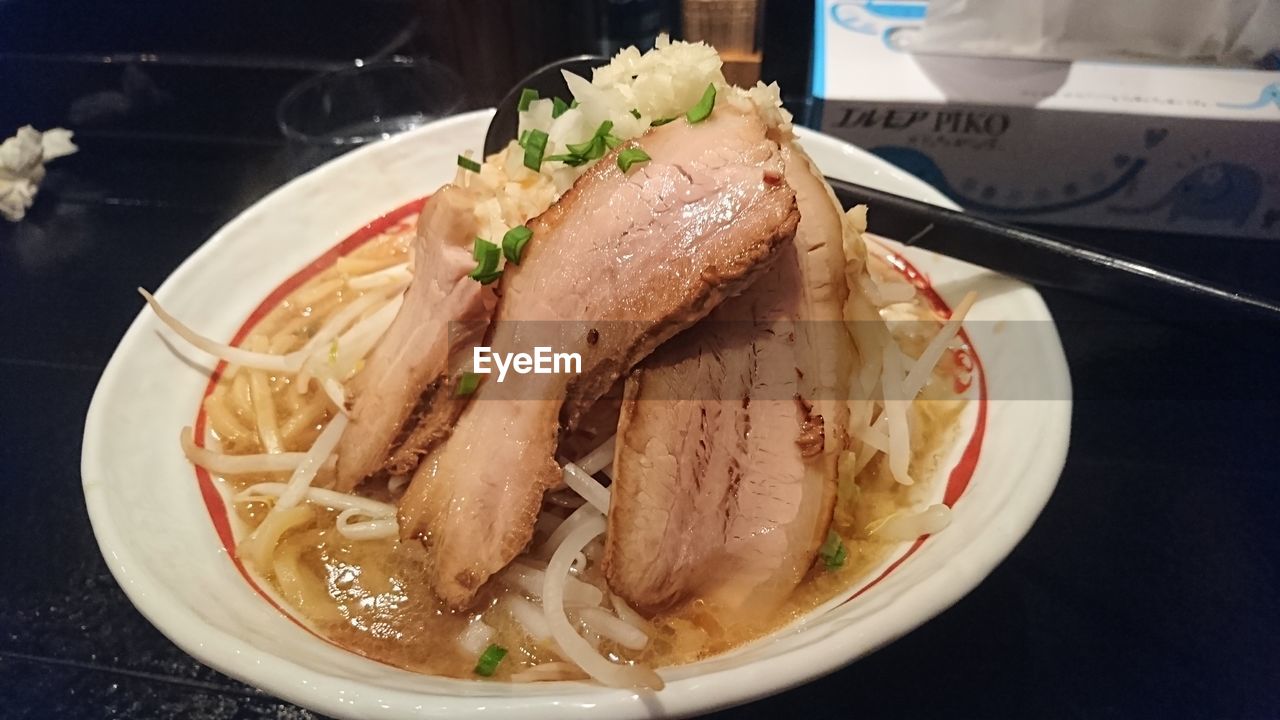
{"type": "Point", "coordinates": [358, 67]}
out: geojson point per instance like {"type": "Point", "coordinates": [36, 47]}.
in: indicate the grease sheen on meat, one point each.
{"type": "Point", "coordinates": [618, 265]}
{"type": "Point", "coordinates": [725, 464]}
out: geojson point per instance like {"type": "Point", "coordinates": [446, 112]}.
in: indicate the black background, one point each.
{"type": "Point", "coordinates": [1147, 588]}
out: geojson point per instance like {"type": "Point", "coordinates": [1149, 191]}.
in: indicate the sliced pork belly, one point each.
{"type": "Point", "coordinates": [404, 399]}
{"type": "Point", "coordinates": [620, 264]}
{"type": "Point", "coordinates": [725, 465]}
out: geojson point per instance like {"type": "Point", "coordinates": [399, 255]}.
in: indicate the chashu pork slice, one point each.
{"type": "Point", "coordinates": [724, 475]}
{"type": "Point", "coordinates": [404, 396]}
{"type": "Point", "coordinates": [622, 262]}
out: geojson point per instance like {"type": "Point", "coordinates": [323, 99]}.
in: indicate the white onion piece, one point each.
{"type": "Point", "coordinates": [532, 580]}
{"type": "Point", "coordinates": [377, 528]}
{"type": "Point", "coordinates": [598, 459]}
{"type": "Point", "coordinates": [537, 116]}
{"type": "Point", "coordinates": [576, 518]}
{"type": "Point", "coordinates": [387, 276]}
{"type": "Point", "coordinates": [321, 496]}
{"type": "Point", "coordinates": [563, 178]}
{"type": "Point", "coordinates": [593, 102]}
{"type": "Point", "coordinates": [922, 370]}
{"type": "Point", "coordinates": [929, 521]}
{"type": "Point", "coordinates": [514, 163]}
{"type": "Point", "coordinates": [574, 647]}
{"type": "Point", "coordinates": [569, 128]}
{"type": "Point", "coordinates": [474, 639]}
{"type": "Point", "coordinates": [320, 451]}
{"type": "Point", "coordinates": [582, 483]}
{"type": "Point", "coordinates": [607, 625]}
{"type": "Point", "coordinates": [225, 464]}
{"type": "Point", "coordinates": [529, 617]}
{"type": "Point", "coordinates": [396, 483]}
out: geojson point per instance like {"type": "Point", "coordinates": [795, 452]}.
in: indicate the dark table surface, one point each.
{"type": "Point", "coordinates": [1148, 588]}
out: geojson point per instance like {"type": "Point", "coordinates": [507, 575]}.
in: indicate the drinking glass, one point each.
{"type": "Point", "coordinates": [332, 113]}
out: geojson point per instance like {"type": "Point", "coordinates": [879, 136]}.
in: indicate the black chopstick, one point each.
{"type": "Point", "coordinates": [1042, 260]}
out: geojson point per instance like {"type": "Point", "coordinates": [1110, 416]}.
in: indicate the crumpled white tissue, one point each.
{"type": "Point", "coordinates": [22, 160]}
{"type": "Point", "coordinates": [1229, 32]}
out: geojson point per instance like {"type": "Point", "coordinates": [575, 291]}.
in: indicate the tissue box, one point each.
{"type": "Point", "coordinates": [1188, 149]}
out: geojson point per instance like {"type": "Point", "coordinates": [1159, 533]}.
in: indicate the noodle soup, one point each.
{"type": "Point", "coordinates": [371, 597]}
{"type": "Point", "coordinates": [398, 508]}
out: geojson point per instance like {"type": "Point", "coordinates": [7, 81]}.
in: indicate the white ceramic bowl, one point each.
{"type": "Point", "coordinates": [154, 527]}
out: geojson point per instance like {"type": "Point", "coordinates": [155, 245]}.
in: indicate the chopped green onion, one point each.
{"type": "Point", "coordinates": [631, 156]}
{"type": "Point", "coordinates": [699, 112]}
{"type": "Point", "coordinates": [635, 113]}
{"type": "Point", "coordinates": [660, 122]}
{"type": "Point", "coordinates": [593, 147]}
{"type": "Point", "coordinates": [481, 249]}
{"type": "Point", "coordinates": [573, 104]}
{"type": "Point", "coordinates": [467, 163]}
{"type": "Point", "coordinates": [467, 384]}
{"type": "Point", "coordinates": [514, 241]}
{"type": "Point", "coordinates": [524, 138]}
{"type": "Point", "coordinates": [489, 660]}
{"type": "Point", "coordinates": [486, 256]}
{"type": "Point", "coordinates": [584, 149]}
{"type": "Point", "coordinates": [590, 149]}
{"type": "Point", "coordinates": [527, 96]}
{"type": "Point", "coordinates": [534, 146]}
{"type": "Point", "coordinates": [833, 552]}
{"type": "Point", "coordinates": [568, 159]}
{"type": "Point", "coordinates": [558, 107]}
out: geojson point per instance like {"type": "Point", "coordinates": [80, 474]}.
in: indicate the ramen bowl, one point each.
{"type": "Point", "coordinates": [167, 537]}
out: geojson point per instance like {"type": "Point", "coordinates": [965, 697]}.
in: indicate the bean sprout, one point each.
{"type": "Point", "coordinates": [225, 464]}
{"type": "Point", "coordinates": [582, 483]}
{"type": "Point", "coordinates": [575, 647]}
{"type": "Point", "coordinates": [320, 496]}
{"type": "Point", "coordinates": [377, 528]}
{"type": "Point", "coordinates": [320, 451]}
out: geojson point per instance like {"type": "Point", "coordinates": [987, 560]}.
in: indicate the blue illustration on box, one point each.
{"type": "Point", "coordinates": [1270, 95]}
{"type": "Point", "coordinates": [1216, 191]}
{"type": "Point", "coordinates": [863, 16]}
{"type": "Point", "coordinates": [924, 167]}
